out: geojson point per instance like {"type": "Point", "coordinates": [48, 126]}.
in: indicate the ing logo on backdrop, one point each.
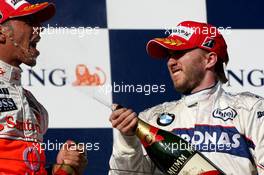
{"type": "Point", "coordinates": [80, 75]}
{"type": "Point", "coordinates": [85, 78]}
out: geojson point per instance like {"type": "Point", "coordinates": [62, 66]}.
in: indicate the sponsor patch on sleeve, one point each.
{"type": "Point", "coordinates": [4, 91]}
{"type": "Point", "coordinates": [7, 104]}
{"type": "Point", "coordinates": [260, 114]}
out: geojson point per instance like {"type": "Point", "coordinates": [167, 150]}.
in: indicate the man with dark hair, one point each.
{"type": "Point", "coordinates": [225, 127]}
{"type": "Point", "coordinates": [23, 120]}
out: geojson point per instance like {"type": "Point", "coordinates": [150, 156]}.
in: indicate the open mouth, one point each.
{"type": "Point", "coordinates": [34, 45]}
{"type": "Point", "coordinates": [34, 53]}
{"type": "Point", "coordinates": [175, 70]}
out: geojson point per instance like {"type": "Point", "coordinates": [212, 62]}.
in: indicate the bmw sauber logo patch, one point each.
{"type": "Point", "coordinates": [165, 119]}
{"type": "Point", "coordinates": [225, 114]}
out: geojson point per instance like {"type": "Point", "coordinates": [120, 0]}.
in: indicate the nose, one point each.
{"type": "Point", "coordinates": [172, 61]}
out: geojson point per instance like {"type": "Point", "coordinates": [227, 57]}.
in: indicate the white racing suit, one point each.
{"type": "Point", "coordinates": [227, 128]}
{"type": "Point", "coordinates": [23, 121]}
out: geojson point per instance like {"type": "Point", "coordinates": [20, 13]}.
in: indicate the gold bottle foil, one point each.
{"type": "Point", "coordinates": [144, 134]}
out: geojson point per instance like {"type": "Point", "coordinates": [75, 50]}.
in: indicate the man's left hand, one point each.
{"type": "Point", "coordinates": [72, 157]}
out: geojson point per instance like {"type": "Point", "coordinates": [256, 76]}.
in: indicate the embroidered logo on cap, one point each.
{"type": "Point", "coordinates": [34, 6]}
{"type": "Point", "coordinates": [16, 3]}
{"type": "Point", "coordinates": [171, 42]}
{"type": "Point", "coordinates": [165, 119]}
{"type": "Point", "coordinates": [208, 43]}
{"type": "Point", "coordinates": [183, 32]}
{"type": "Point", "coordinates": [225, 114]}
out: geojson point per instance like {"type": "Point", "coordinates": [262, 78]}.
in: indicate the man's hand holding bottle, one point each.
{"type": "Point", "coordinates": [123, 119]}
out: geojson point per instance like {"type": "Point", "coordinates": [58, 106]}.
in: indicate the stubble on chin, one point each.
{"type": "Point", "coordinates": [186, 84]}
{"type": "Point", "coordinates": [30, 62]}
{"type": "Point", "coordinates": [182, 88]}
{"type": "Point", "coordinates": [33, 62]}
{"type": "Point", "coordinates": [179, 85]}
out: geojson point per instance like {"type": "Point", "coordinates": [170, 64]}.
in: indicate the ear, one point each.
{"type": "Point", "coordinates": [211, 60]}
{"type": "Point", "coordinates": [2, 34]}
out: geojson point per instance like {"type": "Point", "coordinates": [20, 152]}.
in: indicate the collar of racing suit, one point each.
{"type": "Point", "coordinates": [10, 73]}
{"type": "Point", "coordinates": [193, 99]}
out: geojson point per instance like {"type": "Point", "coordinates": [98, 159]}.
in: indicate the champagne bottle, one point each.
{"type": "Point", "coordinates": [172, 154]}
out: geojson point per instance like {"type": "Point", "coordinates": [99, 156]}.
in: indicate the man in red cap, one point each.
{"type": "Point", "coordinates": [23, 120]}
{"type": "Point", "coordinates": [227, 128]}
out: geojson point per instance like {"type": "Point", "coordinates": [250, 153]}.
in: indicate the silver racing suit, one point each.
{"type": "Point", "coordinates": [227, 128]}
{"type": "Point", "coordinates": [23, 122]}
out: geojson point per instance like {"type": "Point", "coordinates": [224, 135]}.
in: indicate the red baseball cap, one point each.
{"type": "Point", "coordinates": [190, 35]}
{"type": "Point", "coordinates": [17, 8]}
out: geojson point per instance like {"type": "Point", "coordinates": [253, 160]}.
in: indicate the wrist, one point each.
{"type": "Point", "coordinates": [128, 142]}
{"type": "Point", "coordinates": [63, 169]}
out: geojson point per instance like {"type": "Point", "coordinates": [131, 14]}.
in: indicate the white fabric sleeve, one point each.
{"type": "Point", "coordinates": [255, 131]}
{"type": "Point", "coordinates": [129, 157]}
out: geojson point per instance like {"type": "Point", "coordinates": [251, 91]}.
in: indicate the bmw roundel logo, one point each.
{"type": "Point", "coordinates": [165, 119]}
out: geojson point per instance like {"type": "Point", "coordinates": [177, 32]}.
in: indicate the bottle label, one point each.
{"type": "Point", "coordinates": [196, 165]}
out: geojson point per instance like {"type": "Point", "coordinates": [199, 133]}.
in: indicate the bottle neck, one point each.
{"type": "Point", "coordinates": [142, 129]}
{"type": "Point", "coordinates": [146, 133]}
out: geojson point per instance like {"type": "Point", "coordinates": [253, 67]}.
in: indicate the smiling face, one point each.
{"type": "Point", "coordinates": [21, 40]}
{"type": "Point", "coordinates": [187, 69]}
